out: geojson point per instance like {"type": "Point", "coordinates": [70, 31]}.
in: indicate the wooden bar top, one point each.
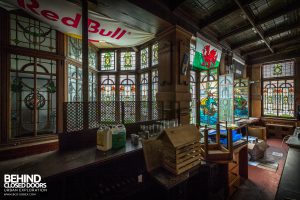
{"type": "Point", "coordinates": [55, 163]}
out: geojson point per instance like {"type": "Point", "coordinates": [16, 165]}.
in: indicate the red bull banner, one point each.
{"type": "Point", "coordinates": [66, 17]}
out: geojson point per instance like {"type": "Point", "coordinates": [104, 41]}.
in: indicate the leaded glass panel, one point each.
{"type": "Point", "coordinates": [226, 98]}
{"type": "Point", "coordinates": [241, 99]}
{"type": "Point", "coordinates": [92, 86]}
{"type": "Point", "coordinates": [278, 98]}
{"type": "Point", "coordinates": [192, 53]}
{"type": "Point", "coordinates": [128, 60]}
{"type": "Point", "coordinates": [193, 102]}
{"type": "Point", "coordinates": [108, 88]}
{"type": "Point", "coordinates": [209, 98]}
{"type": "Point", "coordinates": [33, 96]}
{"type": "Point", "coordinates": [155, 54]}
{"type": "Point", "coordinates": [144, 58]}
{"type": "Point", "coordinates": [144, 89]}
{"type": "Point", "coordinates": [75, 49]}
{"type": "Point", "coordinates": [108, 61]}
{"type": "Point", "coordinates": [31, 33]}
{"type": "Point", "coordinates": [280, 69]}
{"type": "Point", "coordinates": [127, 94]}
{"type": "Point", "coordinates": [74, 83]}
{"type": "Point", "coordinates": [154, 84]}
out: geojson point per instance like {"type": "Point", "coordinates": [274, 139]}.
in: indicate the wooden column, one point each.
{"type": "Point", "coordinates": [85, 64]}
{"type": "Point", "coordinates": [173, 87]}
{"type": "Point", "coordinates": [5, 76]}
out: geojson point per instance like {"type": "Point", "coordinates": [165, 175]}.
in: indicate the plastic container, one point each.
{"type": "Point", "coordinates": [118, 136]}
{"type": "Point", "coordinates": [104, 138]}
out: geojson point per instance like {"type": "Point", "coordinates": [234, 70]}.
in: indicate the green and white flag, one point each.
{"type": "Point", "coordinates": [206, 56]}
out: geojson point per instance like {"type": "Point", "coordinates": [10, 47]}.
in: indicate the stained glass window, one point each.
{"type": "Point", "coordinates": [241, 99]}
{"type": "Point", "coordinates": [280, 69]}
{"type": "Point", "coordinates": [92, 57]}
{"type": "Point", "coordinates": [154, 84]}
{"type": "Point", "coordinates": [155, 54]}
{"type": "Point", "coordinates": [226, 98]}
{"type": "Point", "coordinates": [192, 53]}
{"type": "Point", "coordinates": [108, 61]}
{"type": "Point", "coordinates": [144, 96]}
{"type": "Point", "coordinates": [108, 96]}
{"type": "Point", "coordinates": [92, 86]}
{"type": "Point", "coordinates": [209, 97]}
{"type": "Point", "coordinates": [75, 48]}
{"type": "Point", "coordinates": [33, 96]}
{"type": "Point", "coordinates": [128, 60]}
{"type": "Point", "coordinates": [144, 58]}
{"type": "Point", "coordinates": [278, 98]}
{"type": "Point", "coordinates": [31, 33]}
{"type": "Point", "coordinates": [127, 94]}
{"type": "Point", "coordinates": [74, 83]}
{"type": "Point", "coordinates": [193, 103]}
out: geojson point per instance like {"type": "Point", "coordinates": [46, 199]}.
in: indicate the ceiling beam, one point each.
{"type": "Point", "coordinates": [249, 17]}
{"type": "Point", "coordinates": [268, 33]}
{"type": "Point", "coordinates": [273, 15]}
{"type": "Point", "coordinates": [245, 42]}
{"type": "Point", "coordinates": [174, 4]}
{"type": "Point", "coordinates": [235, 31]}
{"type": "Point", "coordinates": [222, 13]}
{"type": "Point", "coordinates": [286, 41]}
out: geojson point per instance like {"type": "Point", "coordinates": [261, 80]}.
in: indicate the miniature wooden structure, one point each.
{"type": "Point", "coordinates": [180, 148]}
{"type": "Point", "coordinates": [216, 151]}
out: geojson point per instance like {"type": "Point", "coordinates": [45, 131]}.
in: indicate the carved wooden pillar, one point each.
{"type": "Point", "coordinates": [173, 87]}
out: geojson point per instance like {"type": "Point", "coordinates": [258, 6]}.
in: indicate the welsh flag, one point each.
{"type": "Point", "coordinates": [206, 56]}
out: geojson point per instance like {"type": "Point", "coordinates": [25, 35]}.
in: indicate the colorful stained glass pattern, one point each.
{"type": "Point", "coordinates": [208, 98]}
{"type": "Point", "coordinates": [108, 61]}
{"type": "Point", "coordinates": [155, 54]}
{"type": "Point", "coordinates": [241, 98]}
{"type": "Point", "coordinates": [127, 94]}
{"type": "Point", "coordinates": [108, 88]}
{"type": "Point", "coordinates": [193, 102]}
{"type": "Point", "coordinates": [31, 33]}
{"type": "Point", "coordinates": [144, 96]}
{"type": "Point", "coordinates": [144, 58]}
{"type": "Point", "coordinates": [278, 98]}
{"type": "Point", "coordinates": [32, 96]}
{"type": "Point", "coordinates": [128, 60]}
{"type": "Point", "coordinates": [74, 83]}
{"type": "Point", "coordinates": [226, 98]}
{"type": "Point", "coordinates": [281, 69]}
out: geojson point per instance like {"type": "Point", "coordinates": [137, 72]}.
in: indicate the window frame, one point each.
{"type": "Point", "coordinates": [277, 79]}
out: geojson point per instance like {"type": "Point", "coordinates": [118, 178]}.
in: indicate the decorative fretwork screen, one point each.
{"type": "Point", "coordinates": [108, 113]}
{"type": "Point", "coordinates": [278, 89]}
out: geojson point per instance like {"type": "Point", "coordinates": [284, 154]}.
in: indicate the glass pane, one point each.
{"type": "Point", "coordinates": [128, 60]}
{"type": "Point", "coordinates": [280, 69]}
{"type": "Point", "coordinates": [226, 98]}
{"type": "Point", "coordinates": [241, 92]}
{"type": "Point", "coordinates": [108, 61]}
{"type": "Point", "coordinates": [144, 58]}
{"type": "Point", "coordinates": [193, 108]}
{"type": "Point", "coordinates": [31, 33]}
{"type": "Point", "coordinates": [75, 48]}
{"type": "Point", "coordinates": [155, 54]}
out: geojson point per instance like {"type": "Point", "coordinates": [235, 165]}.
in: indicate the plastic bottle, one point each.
{"type": "Point", "coordinates": [104, 139]}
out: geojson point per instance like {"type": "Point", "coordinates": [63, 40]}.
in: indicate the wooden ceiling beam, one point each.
{"type": "Point", "coordinates": [235, 32]}
{"type": "Point", "coordinates": [281, 11]}
{"type": "Point", "coordinates": [174, 4]}
{"type": "Point", "coordinates": [249, 17]}
{"type": "Point", "coordinates": [245, 42]}
{"type": "Point", "coordinates": [273, 15]}
{"type": "Point", "coordinates": [269, 33]}
{"type": "Point", "coordinates": [286, 41]}
{"type": "Point", "coordinates": [222, 13]}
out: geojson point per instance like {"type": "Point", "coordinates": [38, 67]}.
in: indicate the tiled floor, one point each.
{"type": "Point", "coordinates": [262, 184]}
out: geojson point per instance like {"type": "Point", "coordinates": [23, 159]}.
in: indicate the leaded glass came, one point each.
{"type": "Point", "coordinates": [128, 60]}
{"type": "Point", "coordinates": [108, 61]}
{"type": "Point", "coordinates": [193, 103]}
{"type": "Point", "coordinates": [31, 33]}
{"type": "Point", "coordinates": [155, 54]}
{"type": "Point", "coordinates": [144, 58]}
{"type": "Point", "coordinates": [32, 96]}
{"type": "Point", "coordinates": [209, 97]}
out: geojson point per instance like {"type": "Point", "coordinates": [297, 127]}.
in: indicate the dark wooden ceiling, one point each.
{"type": "Point", "coordinates": [254, 29]}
